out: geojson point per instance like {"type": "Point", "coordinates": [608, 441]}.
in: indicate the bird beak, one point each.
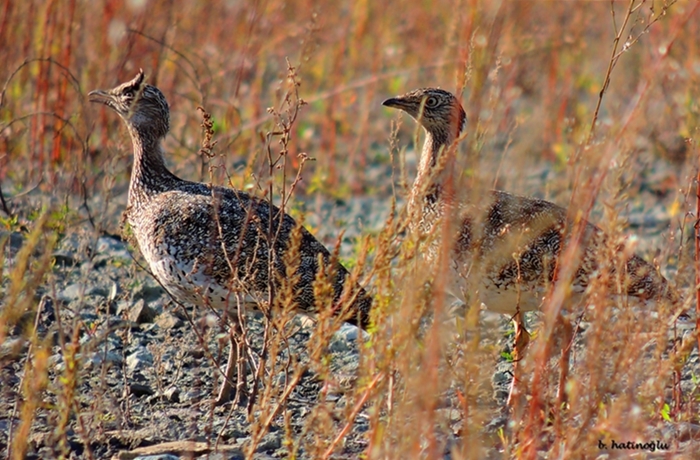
{"type": "Point", "coordinates": [103, 97]}
{"type": "Point", "coordinates": [396, 103]}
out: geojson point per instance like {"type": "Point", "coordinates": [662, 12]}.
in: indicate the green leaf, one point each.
{"type": "Point", "coordinates": [666, 413]}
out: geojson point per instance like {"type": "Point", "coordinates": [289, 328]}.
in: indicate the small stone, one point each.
{"type": "Point", "coordinates": [450, 414]}
{"type": "Point", "coordinates": [195, 353]}
{"type": "Point", "coordinates": [112, 247]}
{"type": "Point", "coordinates": [12, 348]}
{"type": "Point", "coordinates": [191, 395]}
{"type": "Point", "coordinates": [147, 292]}
{"type": "Point", "coordinates": [158, 457]}
{"type": "Point", "coordinates": [100, 357]}
{"type": "Point", "coordinates": [172, 394]}
{"type": "Point", "coordinates": [122, 307]}
{"type": "Point", "coordinates": [228, 454]}
{"type": "Point", "coordinates": [500, 378]}
{"type": "Point", "coordinates": [139, 360]}
{"type": "Point", "coordinates": [345, 338]}
{"type": "Point", "coordinates": [141, 313]}
{"type": "Point", "coordinates": [214, 456]}
{"type": "Point", "coordinates": [501, 421]}
{"type": "Point", "coordinates": [263, 456]}
{"type": "Point", "coordinates": [269, 443]}
{"type": "Point", "coordinates": [167, 321]}
{"type": "Point", "coordinates": [338, 345]}
{"type": "Point", "coordinates": [139, 389]}
{"type": "Point", "coordinates": [89, 317]}
{"type": "Point", "coordinates": [15, 240]}
{"type": "Point", "coordinates": [71, 293]}
{"type": "Point", "coordinates": [113, 292]}
{"type": "Point", "coordinates": [79, 291]}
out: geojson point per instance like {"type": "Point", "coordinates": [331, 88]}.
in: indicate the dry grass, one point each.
{"type": "Point", "coordinates": [534, 76]}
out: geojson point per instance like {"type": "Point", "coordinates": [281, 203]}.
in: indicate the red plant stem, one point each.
{"type": "Point", "coordinates": [60, 105]}
{"type": "Point", "coordinates": [42, 88]}
{"type": "Point", "coordinates": [697, 252]}
{"type": "Point", "coordinates": [6, 11]}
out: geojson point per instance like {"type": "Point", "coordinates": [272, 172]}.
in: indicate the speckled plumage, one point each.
{"type": "Point", "coordinates": [205, 243]}
{"type": "Point", "coordinates": [510, 243]}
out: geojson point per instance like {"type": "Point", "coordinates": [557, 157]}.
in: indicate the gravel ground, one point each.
{"type": "Point", "coordinates": [144, 370]}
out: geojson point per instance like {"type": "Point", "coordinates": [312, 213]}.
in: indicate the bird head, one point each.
{"type": "Point", "coordinates": [438, 111]}
{"type": "Point", "coordinates": [142, 106]}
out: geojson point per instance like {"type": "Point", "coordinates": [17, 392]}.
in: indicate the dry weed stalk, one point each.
{"type": "Point", "coordinates": [25, 276]}
{"type": "Point", "coordinates": [587, 193]}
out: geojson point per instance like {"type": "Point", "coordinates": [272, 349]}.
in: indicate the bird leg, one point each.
{"type": "Point", "coordinates": [235, 364]}
{"type": "Point", "coordinates": [567, 342]}
{"type": "Point", "coordinates": [567, 335]}
{"type": "Point", "coordinates": [522, 339]}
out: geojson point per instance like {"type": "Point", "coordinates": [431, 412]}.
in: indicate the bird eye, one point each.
{"type": "Point", "coordinates": [431, 102]}
{"type": "Point", "coordinates": [128, 94]}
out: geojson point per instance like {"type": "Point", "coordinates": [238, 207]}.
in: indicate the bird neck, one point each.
{"type": "Point", "coordinates": [149, 174]}
{"type": "Point", "coordinates": [429, 182]}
